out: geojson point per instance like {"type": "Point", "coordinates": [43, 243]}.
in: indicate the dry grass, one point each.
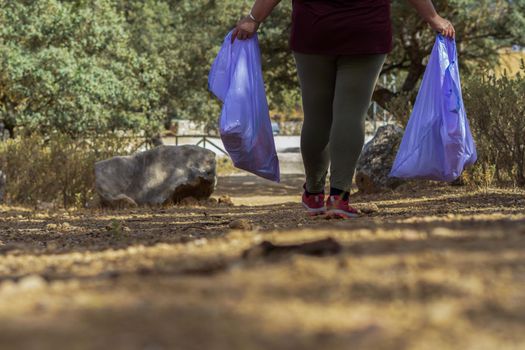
{"type": "Point", "coordinates": [509, 62]}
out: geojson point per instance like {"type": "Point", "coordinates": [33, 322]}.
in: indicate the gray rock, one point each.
{"type": "Point", "coordinates": [163, 175]}
{"type": "Point", "coordinates": [376, 160]}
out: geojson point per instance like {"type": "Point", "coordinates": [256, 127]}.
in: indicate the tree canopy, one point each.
{"type": "Point", "coordinates": [70, 66]}
{"type": "Point", "coordinates": [84, 67]}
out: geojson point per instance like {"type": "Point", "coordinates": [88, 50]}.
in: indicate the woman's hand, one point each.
{"type": "Point", "coordinates": [245, 29]}
{"type": "Point", "coordinates": [439, 24]}
{"type": "Point", "coordinates": [426, 10]}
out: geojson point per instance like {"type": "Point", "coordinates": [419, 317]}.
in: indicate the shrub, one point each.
{"type": "Point", "coordinates": [480, 176]}
{"type": "Point", "coordinates": [401, 107]}
{"type": "Point", "coordinates": [57, 168]}
{"type": "Point", "coordinates": [225, 166]}
{"type": "Point", "coordinates": [496, 110]}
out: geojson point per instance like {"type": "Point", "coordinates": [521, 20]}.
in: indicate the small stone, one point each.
{"type": "Point", "coordinates": [31, 282]}
{"type": "Point", "coordinates": [65, 226]}
{"type": "Point", "coordinates": [45, 206]}
{"type": "Point", "coordinates": [443, 232]}
{"type": "Point", "coordinates": [412, 235]}
{"type": "Point", "coordinates": [241, 224]}
{"type": "Point", "coordinates": [52, 245]}
{"type": "Point", "coordinates": [368, 208]}
{"type": "Point", "coordinates": [200, 242]}
{"type": "Point", "coordinates": [51, 226]}
{"type": "Point", "coordinates": [226, 200]}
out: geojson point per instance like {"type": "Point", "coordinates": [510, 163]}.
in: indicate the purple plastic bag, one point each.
{"type": "Point", "coordinates": [437, 144]}
{"type": "Point", "coordinates": [245, 127]}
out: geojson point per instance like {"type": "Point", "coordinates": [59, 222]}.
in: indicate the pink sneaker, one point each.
{"type": "Point", "coordinates": [314, 204]}
{"type": "Point", "coordinates": [339, 208]}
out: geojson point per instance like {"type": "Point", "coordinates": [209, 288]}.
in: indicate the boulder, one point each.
{"type": "Point", "coordinates": [376, 160]}
{"type": "Point", "coordinates": [163, 175]}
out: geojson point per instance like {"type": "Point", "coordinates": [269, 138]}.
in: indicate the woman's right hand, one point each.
{"type": "Point", "coordinates": [426, 10]}
{"type": "Point", "coordinates": [245, 29]}
{"type": "Point", "coordinates": [441, 25]}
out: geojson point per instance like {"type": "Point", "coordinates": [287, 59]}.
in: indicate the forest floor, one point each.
{"type": "Point", "coordinates": [428, 267]}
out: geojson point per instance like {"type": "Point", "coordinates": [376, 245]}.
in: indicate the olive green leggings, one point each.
{"type": "Point", "coordinates": [336, 93]}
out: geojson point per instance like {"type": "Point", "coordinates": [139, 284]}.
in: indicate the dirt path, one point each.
{"type": "Point", "coordinates": [436, 267]}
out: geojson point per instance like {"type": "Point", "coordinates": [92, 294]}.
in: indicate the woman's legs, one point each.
{"type": "Point", "coordinates": [336, 93]}
{"type": "Point", "coordinates": [317, 76]}
{"type": "Point", "coordinates": [355, 83]}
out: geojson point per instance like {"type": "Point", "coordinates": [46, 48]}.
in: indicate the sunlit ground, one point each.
{"type": "Point", "coordinates": [430, 267]}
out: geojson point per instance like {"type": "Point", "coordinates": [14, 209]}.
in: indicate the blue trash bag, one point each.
{"type": "Point", "coordinates": [245, 127]}
{"type": "Point", "coordinates": [437, 144]}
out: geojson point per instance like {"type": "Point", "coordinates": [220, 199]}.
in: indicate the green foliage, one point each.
{"type": "Point", "coordinates": [68, 66]}
{"type": "Point", "coordinates": [482, 27]}
{"type": "Point", "coordinates": [116, 229]}
{"type": "Point", "coordinates": [57, 168]}
{"type": "Point", "coordinates": [225, 167]}
{"type": "Point", "coordinates": [496, 109]}
{"type": "Point", "coordinates": [84, 67]}
{"type": "Point", "coordinates": [186, 36]}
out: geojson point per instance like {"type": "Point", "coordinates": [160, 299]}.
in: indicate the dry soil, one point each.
{"type": "Point", "coordinates": [428, 266]}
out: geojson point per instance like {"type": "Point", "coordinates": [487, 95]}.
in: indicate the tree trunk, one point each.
{"type": "Point", "coordinates": [383, 96]}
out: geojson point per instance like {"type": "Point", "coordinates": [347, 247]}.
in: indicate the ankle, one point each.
{"type": "Point", "coordinates": [308, 194]}
{"type": "Point", "coordinates": [337, 192]}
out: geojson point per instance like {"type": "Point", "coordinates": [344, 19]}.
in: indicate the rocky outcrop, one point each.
{"type": "Point", "coordinates": [165, 174]}
{"type": "Point", "coordinates": [376, 160]}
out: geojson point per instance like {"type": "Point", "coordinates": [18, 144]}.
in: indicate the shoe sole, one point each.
{"type": "Point", "coordinates": [340, 214]}
{"type": "Point", "coordinates": [314, 211]}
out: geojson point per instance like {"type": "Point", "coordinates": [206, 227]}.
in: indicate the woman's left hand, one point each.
{"type": "Point", "coordinates": [245, 29]}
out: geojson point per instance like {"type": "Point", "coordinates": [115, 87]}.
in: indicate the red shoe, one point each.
{"type": "Point", "coordinates": [339, 208]}
{"type": "Point", "coordinates": [314, 204]}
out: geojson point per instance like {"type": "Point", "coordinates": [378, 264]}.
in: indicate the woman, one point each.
{"type": "Point", "coordinates": [339, 48]}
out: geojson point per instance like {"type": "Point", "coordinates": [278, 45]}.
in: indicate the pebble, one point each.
{"type": "Point", "coordinates": [31, 282]}
{"type": "Point", "coordinates": [241, 224]}
{"type": "Point", "coordinates": [369, 208]}
{"type": "Point", "coordinates": [52, 245]}
{"type": "Point", "coordinates": [200, 242]}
